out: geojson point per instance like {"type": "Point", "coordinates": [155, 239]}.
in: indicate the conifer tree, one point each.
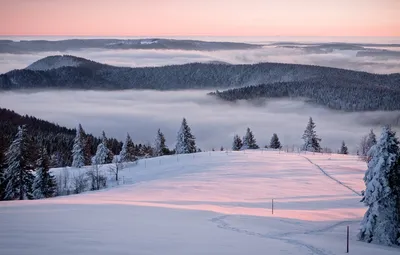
{"type": "Point", "coordinates": [371, 141]}
{"type": "Point", "coordinates": [249, 142]}
{"type": "Point", "coordinates": [78, 157]}
{"type": "Point", "coordinates": [102, 152]}
{"type": "Point", "coordinates": [311, 140]}
{"type": "Point", "coordinates": [128, 152]}
{"type": "Point", "coordinates": [18, 175]}
{"type": "Point", "coordinates": [160, 148]}
{"type": "Point", "coordinates": [344, 149]}
{"type": "Point", "coordinates": [381, 223]}
{"type": "Point", "coordinates": [186, 141]}
{"type": "Point", "coordinates": [44, 184]}
{"type": "Point", "coordinates": [275, 143]}
{"type": "Point", "coordinates": [237, 143]}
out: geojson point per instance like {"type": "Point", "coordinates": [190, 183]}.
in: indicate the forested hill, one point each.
{"type": "Point", "coordinates": [69, 72]}
{"type": "Point", "coordinates": [332, 93]}
{"type": "Point", "coordinates": [56, 139]}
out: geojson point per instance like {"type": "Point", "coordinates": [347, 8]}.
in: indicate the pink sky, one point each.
{"type": "Point", "coordinates": [200, 17]}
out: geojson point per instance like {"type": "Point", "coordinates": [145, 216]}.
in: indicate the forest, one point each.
{"type": "Point", "coordinates": [330, 93]}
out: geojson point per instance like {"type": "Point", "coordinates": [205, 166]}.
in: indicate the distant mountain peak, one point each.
{"type": "Point", "coordinates": [56, 61]}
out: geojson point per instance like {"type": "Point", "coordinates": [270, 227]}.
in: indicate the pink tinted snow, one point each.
{"type": "Point", "coordinates": [238, 183]}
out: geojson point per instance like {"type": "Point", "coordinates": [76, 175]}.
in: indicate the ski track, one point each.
{"type": "Point", "coordinates": [331, 177]}
{"type": "Point", "coordinates": [221, 223]}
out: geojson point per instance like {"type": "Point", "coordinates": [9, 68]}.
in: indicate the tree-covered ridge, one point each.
{"type": "Point", "coordinates": [91, 75]}
{"type": "Point", "coordinates": [57, 140]}
{"type": "Point", "coordinates": [338, 94]}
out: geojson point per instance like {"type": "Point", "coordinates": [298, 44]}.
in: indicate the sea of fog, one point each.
{"type": "Point", "coordinates": [138, 58]}
{"type": "Point", "coordinates": [214, 123]}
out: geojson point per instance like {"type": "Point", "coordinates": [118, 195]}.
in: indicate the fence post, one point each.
{"type": "Point", "coordinates": [123, 179]}
{"type": "Point", "coordinates": [145, 163]}
{"type": "Point", "coordinates": [348, 239]}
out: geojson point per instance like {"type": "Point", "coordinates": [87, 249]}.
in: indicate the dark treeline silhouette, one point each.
{"type": "Point", "coordinates": [55, 139]}
{"type": "Point", "coordinates": [91, 75]}
{"type": "Point", "coordinates": [332, 93]}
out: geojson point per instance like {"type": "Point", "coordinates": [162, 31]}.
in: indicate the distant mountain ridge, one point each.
{"type": "Point", "coordinates": [70, 72]}
{"type": "Point", "coordinates": [25, 46]}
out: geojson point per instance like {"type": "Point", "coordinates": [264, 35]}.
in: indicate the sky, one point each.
{"type": "Point", "coordinates": [200, 17]}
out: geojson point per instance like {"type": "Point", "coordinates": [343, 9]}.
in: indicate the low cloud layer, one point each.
{"type": "Point", "coordinates": [137, 58]}
{"type": "Point", "coordinates": [214, 123]}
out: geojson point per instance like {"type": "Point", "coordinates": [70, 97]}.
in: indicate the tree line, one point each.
{"type": "Point", "coordinates": [39, 145]}
{"type": "Point", "coordinates": [329, 92]}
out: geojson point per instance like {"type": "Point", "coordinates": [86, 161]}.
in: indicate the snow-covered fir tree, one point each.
{"type": "Point", "coordinates": [344, 149]}
{"type": "Point", "coordinates": [237, 143]}
{"type": "Point", "coordinates": [186, 141]}
{"type": "Point", "coordinates": [18, 177]}
{"type": "Point", "coordinates": [44, 185]}
{"type": "Point", "coordinates": [78, 153]}
{"type": "Point", "coordinates": [159, 144]}
{"type": "Point", "coordinates": [381, 222]}
{"type": "Point", "coordinates": [311, 140]}
{"type": "Point", "coordinates": [371, 141]}
{"type": "Point", "coordinates": [249, 142]}
{"type": "Point", "coordinates": [102, 152]}
{"type": "Point", "coordinates": [128, 152]}
{"type": "Point", "coordinates": [275, 143]}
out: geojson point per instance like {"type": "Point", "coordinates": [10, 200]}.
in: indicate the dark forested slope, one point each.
{"type": "Point", "coordinates": [338, 94]}
{"type": "Point", "coordinates": [87, 74]}
{"type": "Point", "coordinates": [56, 139]}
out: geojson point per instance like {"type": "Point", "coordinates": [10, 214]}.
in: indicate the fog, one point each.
{"type": "Point", "coordinates": [137, 58]}
{"type": "Point", "coordinates": [214, 123]}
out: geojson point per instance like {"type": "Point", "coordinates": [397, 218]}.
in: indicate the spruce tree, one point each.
{"type": "Point", "coordinates": [2, 169]}
{"type": "Point", "coordinates": [275, 143]}
{"type": "Point", "coordinates": [371, 140]}
{"type": "Point", "coordinates": [78, 154]}
{"type": "Point", "coordinates": [44, 184]}
{"type": "Point", "coordinates": [18, 175]}
{"type": "Point", "coordinates": [237, 143]}
{"type": "Point", "coordinates": [160, 148]}
{"type": "Point", "coordinates": [249, 142]}
{"type": "Point", "coordinates": [186, 141]}
{"type": "Point", "coordinates": [381, 223]}
{"type": "Point", "coordinates": [128, 152]}
{"type": "Point", "coordinates": [311, 140]}
{"type": "Point", "coordinates": [344, 149]}
{"type": "Point", "coordinates": [102, 152]}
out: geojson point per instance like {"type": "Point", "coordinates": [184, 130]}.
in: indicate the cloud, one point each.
{"type": "Point", "coordinates": [214, 123]}
{"type": "Point", "coordinates": [140, 58]}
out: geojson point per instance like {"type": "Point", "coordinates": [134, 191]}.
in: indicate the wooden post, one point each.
{"type": "Point", "coordinates": [348, 239]}
{"type": "Point", "coordinates": [123, 179]}
{"type": "Point", "coordinates": [145, 163]}
{"type": "Point", "coordinates": [272, 206]}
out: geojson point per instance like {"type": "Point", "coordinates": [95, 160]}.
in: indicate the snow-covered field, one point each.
{"type": "Point", "coordinates": [204, 203]}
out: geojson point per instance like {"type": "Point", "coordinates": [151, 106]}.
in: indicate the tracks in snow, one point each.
{"type": "Point", "coordinates": [284, 237]}
{"type": "Point", "coordinates": [331, 177]}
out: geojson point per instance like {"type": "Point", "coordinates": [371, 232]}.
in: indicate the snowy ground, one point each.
{"type": "Point", "coordinates": [206, 203]}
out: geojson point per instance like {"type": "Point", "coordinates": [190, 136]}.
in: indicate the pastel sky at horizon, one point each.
{"type": "Point", "coordinates": [200, 17]}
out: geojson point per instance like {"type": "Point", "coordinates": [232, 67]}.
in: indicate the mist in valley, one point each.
{"type": "Point", "coordinates": [214, 123]}
{"type": "Point", "coordinates": [346, 59]}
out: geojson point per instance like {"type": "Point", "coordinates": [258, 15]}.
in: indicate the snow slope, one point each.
{"type": "Point", "coordinates": [204, 203]}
